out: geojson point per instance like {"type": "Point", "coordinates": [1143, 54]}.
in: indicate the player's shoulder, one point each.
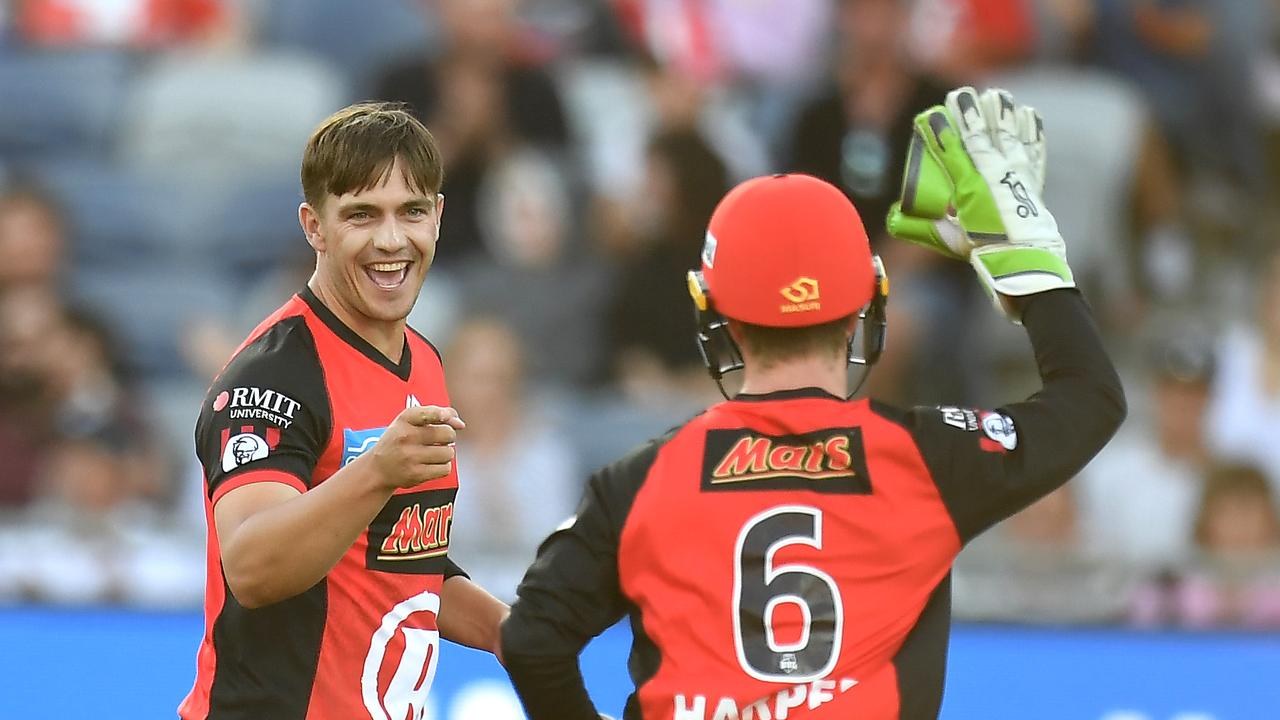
{"type": "Point", "coordinates": [279, 349]}
{"type": "Point", "coordinates": [277, 368]}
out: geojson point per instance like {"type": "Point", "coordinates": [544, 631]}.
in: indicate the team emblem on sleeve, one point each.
{"type": "Point", "coordinates": [1001, 435]}
{"type": "Point", "coordinates": [246, 446]}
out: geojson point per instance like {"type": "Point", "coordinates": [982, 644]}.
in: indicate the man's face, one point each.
{"type": "Point", "coordinates": [1179, 410]}
{"type": "Point", "coordinates": [30, 244]}
{"type": "Point", "coordinates": [374, 246]}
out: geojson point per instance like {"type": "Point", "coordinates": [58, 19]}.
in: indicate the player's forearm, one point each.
{"type": "Point", "coordinates": [470, 616]}
{"type": "Point", "coordinates": [1082, 402]}
{"type": "Point", "coordinates": [287, 548]}
{"type": "Point", "coordinates": [551, 688]}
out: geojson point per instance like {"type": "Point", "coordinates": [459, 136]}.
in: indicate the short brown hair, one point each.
{"type": "Point", "coordinates": [771, 345]}
{"type": "Point", "coordinates": [1232, 479]}
{"type": "Point", "coordinates": [354, 149]}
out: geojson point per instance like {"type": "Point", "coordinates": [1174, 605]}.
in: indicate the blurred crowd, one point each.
{"type": "Point", "coordinates": [149, 154]}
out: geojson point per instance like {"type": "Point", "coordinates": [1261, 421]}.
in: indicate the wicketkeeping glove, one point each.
{"type": "Point", "coordinates": [979, 163]}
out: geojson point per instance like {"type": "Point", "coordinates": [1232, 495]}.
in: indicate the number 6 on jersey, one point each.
{"type": "Point", "coordinates": [759, 587]}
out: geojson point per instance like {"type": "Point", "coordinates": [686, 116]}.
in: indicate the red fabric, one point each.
{"type": "Point", "coordinates": [1006, 26]}
{"type": "Point", "coordinates": [196, 704]}
{"type": "Point", "coordinates": [148, 23]}
{"type": "Point", "coordinates": [257, 476]}
{"type": "Point", "coordinates": [895, 543]}
{"type": "Point", "coordinates": [372, 611]}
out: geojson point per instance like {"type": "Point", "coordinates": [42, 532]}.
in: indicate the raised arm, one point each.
{"type": "Point", "coordinates": [972, 191]}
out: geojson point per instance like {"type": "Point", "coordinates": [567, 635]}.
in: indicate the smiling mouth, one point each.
{"type": "Point", "coordinates": [388, 275]}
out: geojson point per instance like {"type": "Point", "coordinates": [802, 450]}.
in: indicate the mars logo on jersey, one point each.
{"type": "Point", "coordinates": [831, 460]}
{"type": "Point", "coordinates": [247, 445]}
{"type": "Point", "coordinates": [411, 533]}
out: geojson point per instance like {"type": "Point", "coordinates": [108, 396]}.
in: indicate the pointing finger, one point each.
{"type": "Point", "coordinates": [430, 415]}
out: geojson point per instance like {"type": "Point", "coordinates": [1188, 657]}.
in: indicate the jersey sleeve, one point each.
{"type": "Point", "coordinates": [989, 464]}
{"type": "Point", "coordinates": [572, 593]}
{"type": "Point", "coordinates": [267, 416]}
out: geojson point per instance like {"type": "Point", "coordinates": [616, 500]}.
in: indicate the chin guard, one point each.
{"type": "Point", "coordinates": [721, 355]}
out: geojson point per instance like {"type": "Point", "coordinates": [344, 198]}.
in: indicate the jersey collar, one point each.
{"type": "Point", "coordinates": [792, 394]}
{"type": "Point", "coordinates": [401, 370]}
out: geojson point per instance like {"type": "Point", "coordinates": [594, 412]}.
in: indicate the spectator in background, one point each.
{"type": "Point", "coordinates": [60, 378]}
{"type": "Point", "coordinates": [135, 24]}
{"type": "Point", "coordinates": [540, 281]}
{"type": "Point", "coordinates": [855, 136]}
{"type": "Point", "coordinates": [962, 39]}
{"type": "Point", "coordinates": [1193, 59]}
{"type": "Point", "coordinates": [765, 52]}
{"type": "Point", "coordinates": [487, 91]}
{"type": "Point", "coordinates": [1235, 577]}
{"type": "Point", "coordinates": [1037, 567]}
{"type": "Point", "coordinates": [89, 538]}
{"type": "Point", "coordinates": [1139, 496]}
{"type": "Point", "coordinates": [95, 398]}
{"type": "Point", "coordinates": [1244, 412]}
{"type": "Point", "coordinates": [32, 238]}
{"type": "Point", "coordinates": [649, 319]}
{"type": "Point", "coordinates": [30, 322]}
{"type": "Point", "coordinates": [522, 475]}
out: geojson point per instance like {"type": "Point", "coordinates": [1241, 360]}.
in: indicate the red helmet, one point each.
{"type": "Point", "coordinates": [787, 251]}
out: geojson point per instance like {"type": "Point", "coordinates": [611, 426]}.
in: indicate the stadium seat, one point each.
{"type": "Point", "coordinates": [255, 226]}
{"type": "Point", "coordinates": [151, 307]}
{"type": "Point", "coordinates": [59, 104]}
{"type": "Point", "coordinates": [117, 218]}
{"type": "Point", "coordinates": [605, 427]}
{"type": "Point", "coordinates": [231, 117]}
{"type": "Point", "coordinates": [359, 37]}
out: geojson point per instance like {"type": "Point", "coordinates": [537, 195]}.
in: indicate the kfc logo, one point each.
{"type": "Point", "coordinates": [243, 448]}
{"type": "Point", "coordinates": [247, 446]}
{"type": "Point", "coordinates": [1001, 435]}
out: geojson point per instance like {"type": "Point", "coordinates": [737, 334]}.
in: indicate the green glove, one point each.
{"type": "Point", "coordinates": [924, 212]}
{"type": "Point", "coordinates": [988, 154]}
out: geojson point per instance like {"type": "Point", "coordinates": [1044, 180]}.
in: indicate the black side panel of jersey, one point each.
{"type": "Point", "coordinates": [921, 662]}
{"type": "Point", "coordinates": [1055, 432]}
{"type": "Point", "coordinates": [572, 593]}
{"type": "Point", "coordinates": [643, 664]}
{"type": "Point", "coordinates": [268, 410]}
{"type": "Point", "coordinates": [267, 657]}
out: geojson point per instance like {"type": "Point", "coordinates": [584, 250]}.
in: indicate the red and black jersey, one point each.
{"type": "Point", "coordinates": [788, 555]}
{"type": "Point", "coordinates": [302, 397]}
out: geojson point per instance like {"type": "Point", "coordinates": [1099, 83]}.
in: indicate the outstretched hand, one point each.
{"type": "Point", "coordinates": [418, 446]}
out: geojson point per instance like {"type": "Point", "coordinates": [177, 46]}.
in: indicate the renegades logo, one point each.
{"type": "Point", "coordinates": [411, 534]}
{"type": "Point", "coordinates": [830, 460]}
